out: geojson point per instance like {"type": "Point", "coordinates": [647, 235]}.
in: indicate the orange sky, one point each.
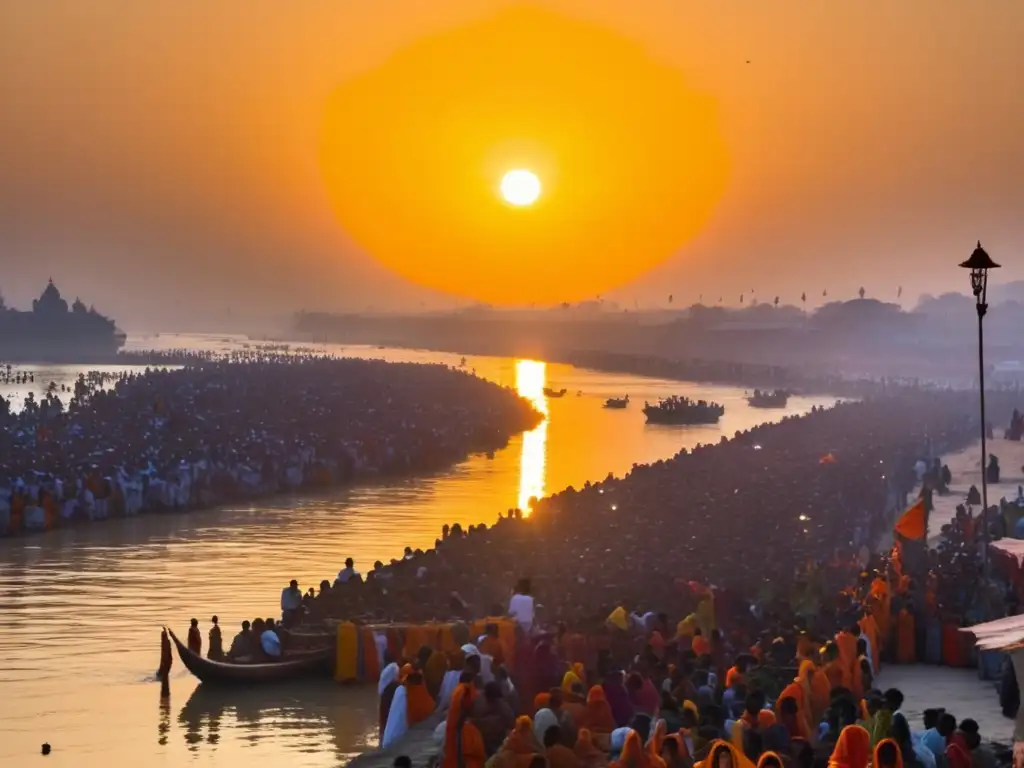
{"type": "Point", "coordinates": [174, 146]}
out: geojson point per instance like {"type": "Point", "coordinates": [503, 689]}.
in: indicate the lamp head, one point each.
{"type": "Point", "coordinates": [979, 264]}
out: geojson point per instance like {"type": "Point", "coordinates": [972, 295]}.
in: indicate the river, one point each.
{"type": "Point", "coordinates": [82, 608]}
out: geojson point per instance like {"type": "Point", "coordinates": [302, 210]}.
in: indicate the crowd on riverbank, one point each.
{"type": "Point", "coordinates": [747, 515]}
{"type": "Point", "coordinates": [720, 571]}
{"type": "Point", "coordinates": [217, 431]}
{"type": "Point", "coordinates": [723, 608]}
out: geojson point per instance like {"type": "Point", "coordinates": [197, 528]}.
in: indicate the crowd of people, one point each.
{"type": "Point", "coordinates": [766, 517]}
{"type": "Point", "coordinates": [774, 552]}
{"type": "Point", "coordinates": [691, 700]}
{"type": "Point", "coordinates": [219, 430]}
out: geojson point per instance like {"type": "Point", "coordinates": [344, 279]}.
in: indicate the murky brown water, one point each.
{"type": "Point", "coordinates": [81, 609]}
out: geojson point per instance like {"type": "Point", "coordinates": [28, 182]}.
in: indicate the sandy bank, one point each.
{"type": "Point", "coordinates": [965, 467]}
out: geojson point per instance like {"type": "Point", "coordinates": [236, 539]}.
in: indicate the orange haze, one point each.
{"type": "Point", "coordinates": [630, 159]}
{"type": "Point", "coordinates": [173, 160]}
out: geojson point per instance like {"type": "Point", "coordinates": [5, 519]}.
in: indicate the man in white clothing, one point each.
{"type": "Point", "coordinates": [346, 573]}
{"type": "Point", "coordinates": [521, 605]}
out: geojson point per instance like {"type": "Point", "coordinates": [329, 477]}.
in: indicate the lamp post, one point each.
{"type": "Point", "coordinates": [979, 264]}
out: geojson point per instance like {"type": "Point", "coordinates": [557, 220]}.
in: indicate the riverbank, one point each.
{"type": "Point", "coordinates": [232, 432]}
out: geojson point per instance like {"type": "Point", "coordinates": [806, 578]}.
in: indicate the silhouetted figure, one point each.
{"type": "Point", "coordinates": [992, 470]}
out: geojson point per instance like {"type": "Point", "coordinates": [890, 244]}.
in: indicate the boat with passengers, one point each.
{"type": "Point", "coordinates": [683, 411]}
{"type": "Point", "coordinates": [765, 399]}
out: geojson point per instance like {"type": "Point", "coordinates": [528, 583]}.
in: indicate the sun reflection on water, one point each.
{"type": "Point", "coordinates": [530, 380]}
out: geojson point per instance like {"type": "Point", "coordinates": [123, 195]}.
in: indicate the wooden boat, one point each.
{"type": "Point", "coordinates": [682, 411]}
{"type": "Point", "coordinates": [317, 663]}
{"type": "Point", "coordinates": [548, 392]}
{"type": "Point", "coordinates": [617, 402]}
{"type": "Point", "coordinates": [776, 399]}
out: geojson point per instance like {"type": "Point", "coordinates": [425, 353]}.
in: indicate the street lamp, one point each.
{"type": "Point", "coordinates": [979, 264]}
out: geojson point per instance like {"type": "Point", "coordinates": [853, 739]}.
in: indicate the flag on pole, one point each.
{"type": "Point", "coordinates": [911, 524]}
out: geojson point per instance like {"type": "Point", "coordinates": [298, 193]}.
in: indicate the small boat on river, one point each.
{"type": "Point", "coordinates": [766, 399]}
{"type": "Point", "coordinates": [682, 411]}
{"type": "Point", "coordinates": [548, 392]}
{"type": "Point", "coordinates": [316, 663]}
{"type": "Point", "coordinates": [617, 402]}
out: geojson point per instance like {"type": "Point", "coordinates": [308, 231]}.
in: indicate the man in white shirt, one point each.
{"type": "Point", "coordinates": [521, 606]}
{"type": "Point", "coordinates": [291, 602]}
{"type": "Point", "coordinates": [346, 573]}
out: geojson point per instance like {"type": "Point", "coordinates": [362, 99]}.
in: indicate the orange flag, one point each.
{"type": "Point", "coordinates": [911, 523]}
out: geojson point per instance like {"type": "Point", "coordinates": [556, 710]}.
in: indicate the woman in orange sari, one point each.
{"type": "Point", "coordinates": [599, 717]}
{"type": "Point", "coordinates": [852, 750]}
{"type": "Point", "coordinates": [821, 693]}
{"type": "Point", "coordinates": [906, 639]}
{"type": "Point", "coordinates": [770, 759]}
{"type": "Point", "coordinates": [419, 704]}
{"type": "Point", "coordinates": [798, 691]}
{"type": "Point", "coordinates": [722, 754]}
{"type": "Point", "coordinates": [463, 743]}
{"type": "Point", "coordinates": [633, 755]}
{"type": "Point", "coordinates": [847, 645]}
{"type": "Point", "coordinates": [588, 755]}
{"type": "Point", "coordinates": [520, 746]}
{"type": "Point", "coordinates": [833, 668]}
{"type": "Point", "coordinates": [888, 755]}
{"type": "Point", "coordinates": [869, 630]}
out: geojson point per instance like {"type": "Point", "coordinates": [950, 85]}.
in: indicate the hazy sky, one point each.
{"type": "Point", "coordinates": [162, 158]}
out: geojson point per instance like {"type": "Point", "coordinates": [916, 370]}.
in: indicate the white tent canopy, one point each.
{"type": "Point", "coordinates": [1001, 634]}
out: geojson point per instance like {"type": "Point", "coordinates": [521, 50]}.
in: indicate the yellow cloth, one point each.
{"type": "Point", "coordinates": [569, 679]}
{"type": "Point", "coordinates": [618, 619]}
{"type": "Point", "coordinates": [346, 662]}
{"type": "Point", "coordinates": [687, 626]}
{"type": "Point", "coordinates": [706, 615]}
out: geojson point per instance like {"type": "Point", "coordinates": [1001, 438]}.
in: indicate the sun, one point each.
{"type": "Point", "coordinates": [520, 187]}
{"type": "Point", "coordinates": [469, 168]}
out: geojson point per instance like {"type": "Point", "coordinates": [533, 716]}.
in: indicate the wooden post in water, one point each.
{"type": "Point", "coordinates": [166, 659]}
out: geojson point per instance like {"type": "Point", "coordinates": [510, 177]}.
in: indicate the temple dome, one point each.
{"type": "Point", "coordinates": [50, 300]}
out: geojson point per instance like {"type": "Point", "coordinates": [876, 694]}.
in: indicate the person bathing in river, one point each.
{"type": "Point", "coordinates": [195, 638]}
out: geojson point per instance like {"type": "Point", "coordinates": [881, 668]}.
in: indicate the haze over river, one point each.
{"type": "Point", "coordinates": [82, 608]}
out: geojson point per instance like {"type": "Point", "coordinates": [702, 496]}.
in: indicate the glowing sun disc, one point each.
{"type": "Point", "coordinates": [520, 187]}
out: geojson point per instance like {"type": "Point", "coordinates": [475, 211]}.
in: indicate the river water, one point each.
{"type": "Point", "coordinates": [82, 608]}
